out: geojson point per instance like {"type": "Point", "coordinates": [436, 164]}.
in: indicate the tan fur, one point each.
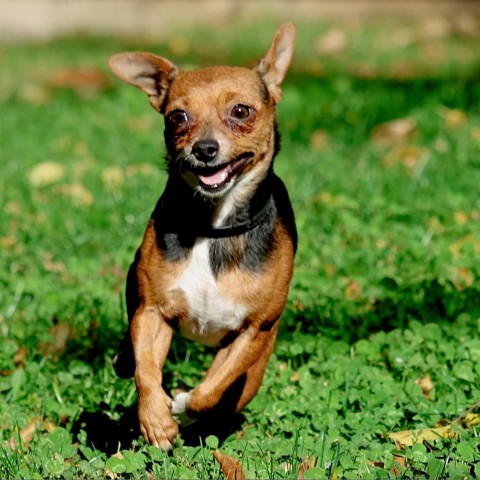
{"type": "Point", "coordinates": [208, 95]}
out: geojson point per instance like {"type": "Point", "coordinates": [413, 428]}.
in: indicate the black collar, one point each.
{"type": "Point", "coordinates": [238, 228]}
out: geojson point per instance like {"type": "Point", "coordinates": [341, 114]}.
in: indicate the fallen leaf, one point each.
{"type": "Point", "coordinates": [86, 81]}
{"type": "Point", "coordinates": [34, 94]}
{"type": "Point", "coordinates": [78, 193]}
{"type": "Point", "coordinates": [394, 132]}
{"type": "Point", "coordinates": [407, 438]}
{"type": "Point", "coordinates": [26, 434]}
{"type": "Point", "coordinates": [49, 426]}
{"type": "Point", "coordinates": [142, 169]}
{"type": "Point", "coordinates": [113, 178]}
{"type": "Point", "coordinates": [353, 290]}
{"type": "Point", "coordinates": [319, 140]}
{"type": "Point", "coordinates": [56, 346]}
{"type": "Point", "coordinates": [464, 278]}
{"type": "Point", "coordinates": [410, 156]}
{"type": "Point", "coordinates": [231, 468]}
{"type": "Point", "coordinates": [46, 173]}
{"type": "Point", "coordinates": [475, 133]}
{"type": "Point", "coordinates": [461, 218]}
{"type": "Point", "coordinates": [19, 357]}
{"type": "Point", "coordinates": [453, 118]}
{"type": "Point", "coordinates": [470, 420]}
{"type": "Point", "coordinates": [53, 267]}
{"type": "Point", "coordinates": [295, 378]}
{"type": "Point", "coordinates": [402, 461]}
{"type": "Point", "coordinates": [306, 464]}
{"type": "Point", "coordinates": [364, 70]}
{"type": "Point", "coordinates": [425, 383]}
{"type": "Point", "coordinates": [333, 42]}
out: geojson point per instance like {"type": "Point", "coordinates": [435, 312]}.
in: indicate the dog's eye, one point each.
{"type": "Point", "coordinates": [241, 112]}
{"type": "Point", "coordinates": [178, 118]}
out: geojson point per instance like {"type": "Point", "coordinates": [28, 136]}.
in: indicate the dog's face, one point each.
{"type": "Point", "coordinates": [219, 121]}
{"type": "Point", "coordinates": [219, 128]}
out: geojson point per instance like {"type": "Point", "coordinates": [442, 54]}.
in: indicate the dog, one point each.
{"type": "Point", "coordinates": [217, 255]}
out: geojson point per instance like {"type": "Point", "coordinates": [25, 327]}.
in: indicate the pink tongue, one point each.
{"type": "Point", "coordinates": [215, 178]}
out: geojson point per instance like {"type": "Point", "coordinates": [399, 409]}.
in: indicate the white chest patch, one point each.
{"type": "Point", "coordinates": [211, 317]}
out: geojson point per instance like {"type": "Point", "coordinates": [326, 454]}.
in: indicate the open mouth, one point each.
{"type": "Point", "coordinates": [215, 179]}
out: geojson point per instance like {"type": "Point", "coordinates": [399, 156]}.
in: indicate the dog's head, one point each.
{"type": "Point", "coordinates": [219, 121]}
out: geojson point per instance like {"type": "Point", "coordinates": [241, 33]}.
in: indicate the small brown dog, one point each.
{"type": "Point", "coordinates": [217, 255]}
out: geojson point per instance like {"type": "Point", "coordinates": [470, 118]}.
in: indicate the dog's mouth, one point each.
{"type": "Point", "coordinates": [215, 178]}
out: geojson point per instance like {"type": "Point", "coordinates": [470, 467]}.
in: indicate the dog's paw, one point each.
{"type": "Point", "coordinates": [179, 409]}
{"type": "Point", "coordinates": [156, 422]}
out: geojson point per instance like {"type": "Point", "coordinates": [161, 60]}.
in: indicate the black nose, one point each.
{"type": "Point", "coordinates": [205, 150]}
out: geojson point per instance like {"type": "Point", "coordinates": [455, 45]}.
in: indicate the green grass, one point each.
{"type": "Point", "coordinates": [386, 288]}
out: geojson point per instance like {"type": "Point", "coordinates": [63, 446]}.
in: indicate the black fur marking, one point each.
{"type": "Point", "coordinates": [248, 251]}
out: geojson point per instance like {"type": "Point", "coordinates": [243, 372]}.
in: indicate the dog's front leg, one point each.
{"type": "Point", "coordinates": [151, 337]}
{"type": "Point", "coordinates": [251, 348]}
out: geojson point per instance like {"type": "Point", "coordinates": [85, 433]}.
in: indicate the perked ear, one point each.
{"type": "Point", "coordinates": [274, 65]}
{"type": "Point", "coordinates": [146, 71]}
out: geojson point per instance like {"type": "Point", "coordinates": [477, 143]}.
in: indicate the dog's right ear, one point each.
{"type": "Point", "coordinates": [146, 71]}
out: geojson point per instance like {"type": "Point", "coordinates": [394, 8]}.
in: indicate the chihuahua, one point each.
{"type": "Point", "coordinates": [217, 255]}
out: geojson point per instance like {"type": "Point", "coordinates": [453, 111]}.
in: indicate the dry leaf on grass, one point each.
{"type": "Point", "coordinates": [400, 460]}
{"type": "Point", "coordinates": [395, 131]}
{"type": "Point", "coordinates": [410, 156]}
{"type": "Point", "coordinates": [85, 81]}
{"type": "Point", "coordinates": [469, 420]}
{"type": "Point", "coordinates": [46, 173]}
{"type": "Point", "coordinates": [231, 468]}
{"type": "Point", "coordinates": [113, 178]}
{"type": "Point", "coordinates": [333, 42]}
{"type": "Point", "coordinates": [453, 118]}
{"type": "Point", "coordinates": [306, 464]}
{"type": "Point", "coordinates": [443, 429]}
{"type": "Point", "coordinates": [407, 438]}
{"type": "Point", "coordinates": [26, 434]}
{"type": "Point", "coordinates": [56, 346]}
{"type": "Point", "coordinates": [20, 357]}
{"type": "Point", "coordinates": [426, 384]}
{"type": "Point", "coordinates": [353, 290]}
{"type": "Point", "coordinates": [319, 140]}
{"type": "Point", "coordinates": [34, 93]}
{"type": "Point", "coordinates": [78, 193]}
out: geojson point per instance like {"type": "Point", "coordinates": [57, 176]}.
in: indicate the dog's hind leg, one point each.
{"type": "Point", "coordinates": [124, 360]}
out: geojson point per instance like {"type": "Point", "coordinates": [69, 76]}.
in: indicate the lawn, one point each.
{"type": "Point", "coordinates": [376, 372]}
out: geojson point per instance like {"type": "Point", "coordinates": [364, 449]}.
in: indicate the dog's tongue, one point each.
{"type": "Point", "coordinates": [215, 178]}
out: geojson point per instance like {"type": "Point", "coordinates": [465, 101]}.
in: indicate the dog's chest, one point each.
{"type": "Point", "coordinates": [210, 314]}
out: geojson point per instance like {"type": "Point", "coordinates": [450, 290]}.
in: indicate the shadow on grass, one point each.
{"type": "Point", "coordinates": [107, 435]}
{"type": "Point", "coordinates": [426, 301]}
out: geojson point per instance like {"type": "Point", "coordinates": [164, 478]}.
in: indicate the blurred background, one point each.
{"type": "Point", "coordinates": [41, 19]}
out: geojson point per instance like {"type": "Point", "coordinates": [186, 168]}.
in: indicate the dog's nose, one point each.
{"type": "Point", "coordinates": [205, 150]}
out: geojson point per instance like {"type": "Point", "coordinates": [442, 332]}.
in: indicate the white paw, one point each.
{"type": "Point", "coordinates": [179, 409]}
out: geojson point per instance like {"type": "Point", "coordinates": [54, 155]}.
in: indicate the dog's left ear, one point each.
{"type": "Point", "coordinates": [146, 71]}
{"type": "Point", "coordinates": [274, 64]}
